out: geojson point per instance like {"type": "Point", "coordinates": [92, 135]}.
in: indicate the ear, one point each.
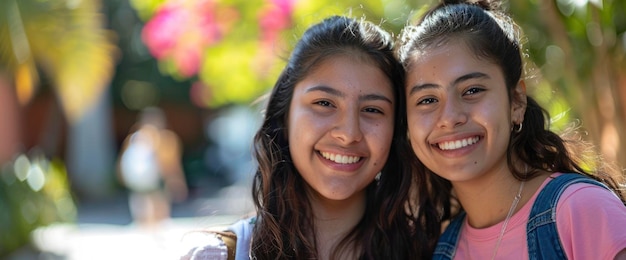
{"type": "Point", "coordinates": [518, 103]}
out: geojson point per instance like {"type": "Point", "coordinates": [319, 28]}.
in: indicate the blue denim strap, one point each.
{"type": "Point", "coordinates": [446, 246]}
{"type": "Point", "coordinates": [541, 231]}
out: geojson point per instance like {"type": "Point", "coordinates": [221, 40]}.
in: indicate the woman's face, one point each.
{"type": "Point", "coordinates": [340, 126]}
{"type": "Point", "coordinates": [459, 114]}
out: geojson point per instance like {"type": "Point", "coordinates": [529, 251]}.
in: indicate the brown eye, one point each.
{"type": "Point", "coordinates": [427, 101]}
{"type": "Point", "coordinates": [373, 110]}
{"type": "Point", "coordinates": [323, 103]}
{"type": "Point", "coordinates": [473, 90]}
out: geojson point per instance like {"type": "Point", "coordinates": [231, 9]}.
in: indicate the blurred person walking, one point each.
{"type": "Point", "coordinates": [150, 167]}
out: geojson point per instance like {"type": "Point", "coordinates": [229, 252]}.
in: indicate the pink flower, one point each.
{"type": "Point", "coordinates": [180, 31]}
{"type": "Point", "coordinates": [285, 5]}
{"type": "Point", "coordinates": [188, 60]}
{"type": "Point", "coordinates": [162, 31]}
{"type": "Point", "coordinates": [274, 18]}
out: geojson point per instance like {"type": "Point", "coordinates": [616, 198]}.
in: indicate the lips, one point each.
{"type": "Point", "coordinates": [457, 144]}
{"type": "Point", "coordinates": [339, 158]}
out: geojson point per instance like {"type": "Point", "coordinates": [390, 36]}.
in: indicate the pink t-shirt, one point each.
{"type": "Point", "coordinates": [591, 222]}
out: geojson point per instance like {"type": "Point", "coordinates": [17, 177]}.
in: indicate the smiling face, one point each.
{"type": "Point", "coordinates": [459, 114]}
{"type": "Point", "coordinates": [340, 126]}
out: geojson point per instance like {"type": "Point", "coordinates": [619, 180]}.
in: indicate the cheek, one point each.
{"type": "Point", "coordinates": [419, 128]}
{"type": "Point", "coordinates": [381, 135]}
{"type": "Point", "coordinates": [418, 124]}
{"type": "Point", "coordinates": [417, 139]}
{"type": "Point", "coordinates": [294, 119]}
{"type": "Point", "coordinates": [494, 118]}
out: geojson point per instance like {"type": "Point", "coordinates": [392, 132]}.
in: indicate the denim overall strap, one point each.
{"type": "Point", "coordinates": [541, 231]}
{"type": "Point", "coordinates": [446, 246]}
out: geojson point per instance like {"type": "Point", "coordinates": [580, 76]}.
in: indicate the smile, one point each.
{"type": "Point", "coordinates": [338, 158]}
{"type": "Point", "coordinates": [452, 145]}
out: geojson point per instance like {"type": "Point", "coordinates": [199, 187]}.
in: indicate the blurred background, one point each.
{"type": "Point", "coordinates": [125, 124]}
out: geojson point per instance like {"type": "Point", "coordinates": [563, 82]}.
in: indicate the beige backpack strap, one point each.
{"type": "Point", "coordinates": [230, 240]}
{"type": "Point", "coordinates": [205, 245]}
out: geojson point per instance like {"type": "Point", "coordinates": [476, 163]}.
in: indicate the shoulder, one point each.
{"type": "Point", "coordinates": [576, 190]}
{"type": "Point", "coordinates": [581, 196]}
{"type": "Point", "coordinates": [587, 204]}
{"type": "Point", "coordinates": [200, 245]}
{"type": "Point", "coordinates": [243, 226]}
{"type": "Point", "coordinates": [243, 231]}
{"type": "Point", "coordinates": [590, 222]}
{"type": "Point", "coordinates": [231, 243]}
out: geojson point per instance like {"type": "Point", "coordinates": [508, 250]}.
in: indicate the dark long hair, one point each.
{"type": "Point", "coordinates": [285, 228]}
{"type": "Point", "coordinates": [494, 36]}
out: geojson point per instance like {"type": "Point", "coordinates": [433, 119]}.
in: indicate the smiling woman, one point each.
{"type": "Point", "coordinates": [333, 123]}
{"type": "Point", "coordinates": [343, 138]}
{"type": "Point", "coordinates": [484, 140]}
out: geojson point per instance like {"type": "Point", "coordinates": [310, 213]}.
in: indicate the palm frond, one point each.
{"type": "Point", "coordinates": [68, 43]}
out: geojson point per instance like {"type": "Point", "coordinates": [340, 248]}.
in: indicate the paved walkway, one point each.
{"type": "Point", "coordinates": [106, 231]}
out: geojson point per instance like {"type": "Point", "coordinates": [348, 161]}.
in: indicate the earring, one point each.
{"type": "Point", "coordinates": [519, 129]}
{"type": "Point", "coordinates": [377, 178]}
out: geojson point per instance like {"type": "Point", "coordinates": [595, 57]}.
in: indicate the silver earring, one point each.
{"type": "Point", "coordinates": [519, 129]}
{"type": "Point", "coordinates": [377, 178]}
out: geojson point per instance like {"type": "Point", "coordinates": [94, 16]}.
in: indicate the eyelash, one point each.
{"type": "Point", "coordinates": [326, 103]}
{"type": "Point", "coordinates": [473, 90]}
{"type": "Point", "coordinates": [373, 110]}
{"type": "Point", "coordinates": [470, 91]}
{"type": "Point", "coordinates": [426, 101]}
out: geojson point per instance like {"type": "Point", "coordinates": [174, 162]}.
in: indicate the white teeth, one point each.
{"type": "Point", "coordinates": [451, 145]}
{"type": "Point", "coordinates": [338, 158]}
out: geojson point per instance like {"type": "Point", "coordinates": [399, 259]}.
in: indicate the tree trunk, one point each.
{"type": "Point", "coordinates": [597, 98]}
{"type": "Point", "coordinates": [90, 151]}
{"type": "Point", "coordinates": [10, 123]}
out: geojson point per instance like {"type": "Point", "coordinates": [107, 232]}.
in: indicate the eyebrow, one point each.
{"type": "Point", "coordinates": [326, 89]}
{"type": "Point", "coordinates": [473, 75]}
{"type": "Point", "coordinates": [337, 93]}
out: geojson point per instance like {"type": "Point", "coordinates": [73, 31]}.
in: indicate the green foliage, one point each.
{"type": "Point", "coordinates": [244, 64]}
{"type": "Point", "coordinates": [34, 192]}
{"type": "Point", "coordinates": [63, 39]}
{"type": "Point", "coordinates": [146, 8]}
{"type": "Point", "coordinates": [575, 54]}
{"type": "Point", "coordinates": [579, 50]}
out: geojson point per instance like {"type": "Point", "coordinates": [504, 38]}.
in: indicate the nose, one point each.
{"type": "Point", "coordinates": [348, 128]}
{"type": "Point", "coordinates": [453, 114]}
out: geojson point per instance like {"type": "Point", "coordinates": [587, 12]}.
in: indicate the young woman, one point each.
{"type": "Point", "coordinates": [332, 182]}
{"type": "Point", "coordinates": [524, 192]}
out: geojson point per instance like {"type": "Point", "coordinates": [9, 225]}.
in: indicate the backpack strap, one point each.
{"type": "Point", "coordinates": [230, 240]}
{"type": "Point", "coordinates": [209, 244]}
{"type": "Point", "coordinates": [230, 244]}
{"type": "Point", "coordinates": [541, 231]}
{"type": "Point", "coordinates": [243, 231]}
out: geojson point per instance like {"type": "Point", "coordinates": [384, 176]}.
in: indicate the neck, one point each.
{"type": "Point", "coordinates": [334, 220]}
{"type": "Point", "coordinates": [499, 191]}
